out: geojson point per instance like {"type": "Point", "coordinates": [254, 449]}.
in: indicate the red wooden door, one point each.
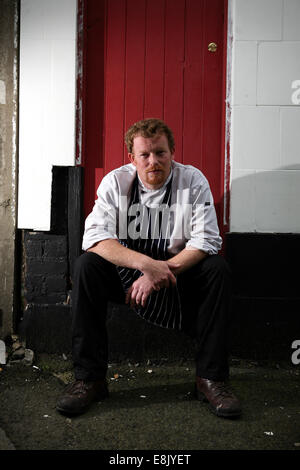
{"type": "Point", "coordinates": [150, 58]}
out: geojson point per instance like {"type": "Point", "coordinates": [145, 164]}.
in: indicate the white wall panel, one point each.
{"type": "Point", "coordinates": [257, 19]}
{"type": "Point", "coordinates": [265, 120]}
{"type": "Point", "coordinates": [278, 66]}
{"type": "Point", "coordinates": [291, 20]}
{"type": "Point", "coordinates": [290, 138]}
{"type": "Point", "coordinates": [48, 19]}
{"type": "Point", "coordinates": [270, 201]}
{"type": "Point", "coordinates": [47, 103]}
{"type": "Point", "coordinates": [245, 56]}
{"type": "Point", "coordinates": [242, 216]}
{"type": "Point", "coordinates": [277, 196]}
{"type": "Point", "coordinates": [256, 138]}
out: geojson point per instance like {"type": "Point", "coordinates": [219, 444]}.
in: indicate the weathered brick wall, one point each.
{"type": "Point", "coordinates": [46, 276]}
{"type": "Point", "coordinates": [47, 262]}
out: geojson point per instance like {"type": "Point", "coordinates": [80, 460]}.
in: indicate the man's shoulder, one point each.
{"type": "Point", "coordinates": [128, 169]}
{"type": "Point", "coordinates": [119, 177]}
{"type": "Point", "coordinates": [188, 172]}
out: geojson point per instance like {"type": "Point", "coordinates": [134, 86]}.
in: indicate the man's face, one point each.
{"type": "Point", "coordinates": [152, 158]}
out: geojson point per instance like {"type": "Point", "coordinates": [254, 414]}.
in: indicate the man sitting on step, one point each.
{"type": "Point", "coordinates": [152, 241]}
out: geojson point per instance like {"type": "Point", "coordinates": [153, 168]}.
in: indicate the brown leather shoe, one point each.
{"type": "Point", "coordinates": [79, 395]}
{"type": "Point", "coordinates": [221, 399]}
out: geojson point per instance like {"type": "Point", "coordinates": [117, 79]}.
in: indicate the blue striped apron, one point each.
{"type": "Point", "coordinates": [162, 307]}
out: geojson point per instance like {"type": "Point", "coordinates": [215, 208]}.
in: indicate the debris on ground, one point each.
{"type": "Point", "coordinates": [18, 353]}
{"type": "Point", "coordinates": [29, 356]}
{"type": "Point", "coordinates": [64, 377]}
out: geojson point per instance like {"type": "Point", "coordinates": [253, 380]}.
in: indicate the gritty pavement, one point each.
{"type": "Point", "coordinates": [151, 407]}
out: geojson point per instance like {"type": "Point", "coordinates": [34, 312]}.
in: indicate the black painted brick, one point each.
{"type": "Point", "coordinates": [34, 287]}
{"type": "Point", "coordinates": [49, 267]}
{"type": "Point", "coordinates": [56, 283]}
{"type": "Point", "coordinates": [264, 264]}
{"type": "Point", "coordinates": [56, 247]}
{"type": "Point", "coordinates": [264, 328]}
{"type": "Point", "coordinates": [47, 328]}
{"type": "Point", "coordinates": [51, 299]}
{"type": "Point", "coordinates": [34, 248]}
{"type": "Point", "coordinates": [54, 298]}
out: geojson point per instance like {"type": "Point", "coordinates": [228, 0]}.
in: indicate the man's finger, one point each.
{"type": "Point", "coordinates": [138, 299]}
{"type": "Point", "coordinates": [173, 279]}
{"type": "Point", "coordinates": [144, 300]}
{"type": "Point", "coordinates": [133, 295]}
{"type": "Point", "coordinates": [128, 295]}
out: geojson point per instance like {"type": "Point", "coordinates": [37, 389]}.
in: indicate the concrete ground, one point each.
{"type": "Point", "coordinates": [151, 407]}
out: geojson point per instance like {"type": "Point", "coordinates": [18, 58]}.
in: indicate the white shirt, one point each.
{"type": "Point", "coordinates": [192, 225]}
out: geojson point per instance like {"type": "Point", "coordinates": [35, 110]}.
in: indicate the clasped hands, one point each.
{"type": "Point", "coordinates": [157, 275]}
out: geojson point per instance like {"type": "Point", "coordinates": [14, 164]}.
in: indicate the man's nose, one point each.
{"type": "Point", "coordinates": [153, 158]}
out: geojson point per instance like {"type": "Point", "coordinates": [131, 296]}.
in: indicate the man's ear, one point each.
{"type": "Point", "coordinates": [173, 153]}
{"type": "Point", "coordinates": [131, 158]}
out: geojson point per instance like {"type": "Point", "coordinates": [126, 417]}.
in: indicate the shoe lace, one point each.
{"type": "Point", "coordinates": [223, 390]}
{"type": "Point", "coordinates": [78, 387]}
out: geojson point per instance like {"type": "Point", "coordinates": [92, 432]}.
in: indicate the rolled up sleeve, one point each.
{"type": "Point", "coordinates": [205, 233]}
{"type": "Point", "coordinates": [101, 223]}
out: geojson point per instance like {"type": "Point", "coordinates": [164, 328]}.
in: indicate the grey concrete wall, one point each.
{"type": "Point", "coordinates": [9, 21]}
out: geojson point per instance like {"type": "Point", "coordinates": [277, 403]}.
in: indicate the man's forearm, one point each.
{"type": "Point", "coordinates": [186, 259]}
{"type": "Point", "coordinates": [159, 272]}
{"type": "Point", "coordinates": [115, 253]}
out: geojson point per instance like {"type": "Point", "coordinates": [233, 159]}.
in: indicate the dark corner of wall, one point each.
{"type": "Point", "coordinates": [266, 296]}
{"type": "Point", "coordinates": [47, 266]}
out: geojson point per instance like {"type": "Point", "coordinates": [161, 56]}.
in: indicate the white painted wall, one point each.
{"type": "Point", "coordinates": [47, 103]}
{"type": "Point", "coordinates": [265, 126]}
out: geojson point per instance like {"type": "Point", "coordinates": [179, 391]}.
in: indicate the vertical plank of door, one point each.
{"type": "Point", "coordinates": [135, 64]}
{"type": "Point", "coordinates": [212, 95]}
{"type": "Point", "coordinates": [154, 59]}
{"type": "Point", "coordinates": [94, 98]}
{"type": "Point", "coordinates": [174, 64]}
{"type": "Point", "coordinates": [193, 85]}
{"type": "Point", "coordinates": [114, 84]}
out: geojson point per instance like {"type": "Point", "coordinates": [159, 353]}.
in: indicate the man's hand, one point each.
{"type": "Point", "coordinates": [139, 292]}
{"type": "Point", "coordinates": [160, 273]}
{"type": "Point", "coordinates": [156, 276]}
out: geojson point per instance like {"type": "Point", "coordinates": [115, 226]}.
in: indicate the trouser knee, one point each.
{"type": "Point", "coordinates": [84, 261]}
{"type": "Point", "coordinates": [88, 264]}
{"type": "Point", "coordinates": [216, 268]}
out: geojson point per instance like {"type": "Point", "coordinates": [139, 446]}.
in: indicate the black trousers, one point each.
{"type": "Point", "coordinates": [205, 292]}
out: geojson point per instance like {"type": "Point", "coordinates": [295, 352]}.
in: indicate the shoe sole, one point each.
{"type": "Point", "coordinates": [201, 397]}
